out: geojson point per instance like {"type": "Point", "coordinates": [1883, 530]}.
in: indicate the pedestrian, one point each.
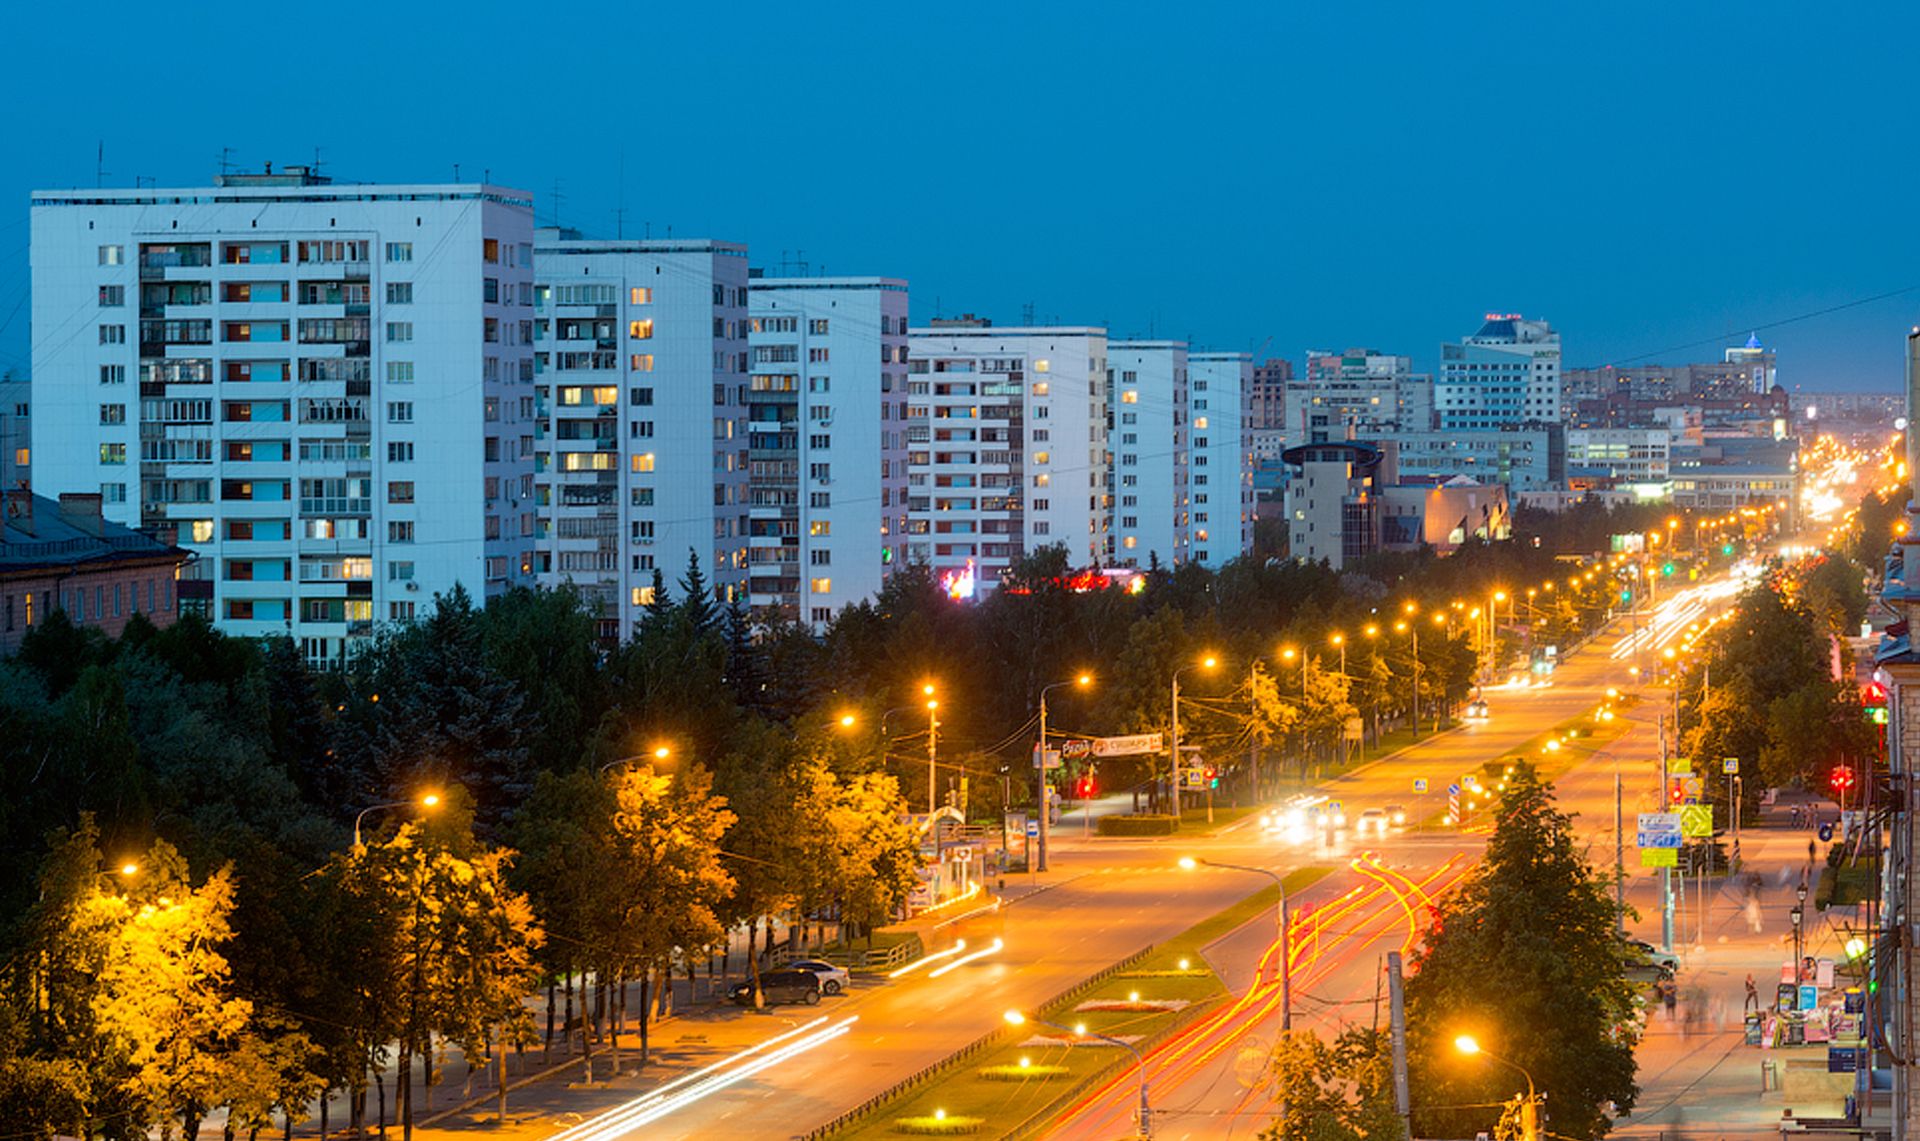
{"type": "Point", "coordinates": [1753, 995]}
{"type": "Point", "coordinates": [1753, 915]}
{"type": "Point", "coordinates": [1796, 816]}
{"type": "Point", "coordinates": [1669, 994]}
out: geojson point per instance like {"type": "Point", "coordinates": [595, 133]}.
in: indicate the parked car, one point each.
{"type": "Point", "coordinates": [1643, 951]}
{"type": "Point", "coordinates": [777, 987]}
{"type": "Point", "coordinates": [833, 979]}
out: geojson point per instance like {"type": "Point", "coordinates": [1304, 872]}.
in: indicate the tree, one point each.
{"type": "Point", "coordinates": [1341, 1091]}
{"type": "Point", "coordinates": [1523, 954]}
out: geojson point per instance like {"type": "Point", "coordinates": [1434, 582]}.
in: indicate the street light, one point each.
{"type": "Point", "coordinates": [1799, 935]}
{"type": "Point", "coordinates": [1286, 963]}
{"type": "Point", "coordinates": [1206, 664]}
{"type": "Point", "coordinates": [427, 801]}
{"type": "Point", "coordinates": [933, 725]}
{"type": "Point", "coordinates": [1145, 1114]}
{"type": "Point", "coordinates": [1530, 1112]}
{"type": "Point", "coordinates": [1040, 764]}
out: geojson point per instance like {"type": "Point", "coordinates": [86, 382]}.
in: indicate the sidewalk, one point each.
{"type": "Point", "coordinates": [1698, 1078]}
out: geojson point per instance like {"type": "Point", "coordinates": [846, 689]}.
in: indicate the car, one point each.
{"type": "Point", "coordinates": [1476, 711]}
{"type": "Point", "coordinates": [1641, 951]}
{"type": "Point", "coordinates": [833, 979]}
{"type": "Point", "coordinates": [1372, 820]}
{"type": "Point", "coordinates": [1397, 815]}
{"type": "Point", "coordinates": [779, 986]}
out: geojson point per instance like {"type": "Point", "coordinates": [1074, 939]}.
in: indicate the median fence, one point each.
{"type": "Point", "coordinates": [899, 1089]}
{"type": "Point", "coordinates": [1043, 1117]}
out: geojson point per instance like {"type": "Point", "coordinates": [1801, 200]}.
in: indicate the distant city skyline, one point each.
{"type": "Point", "coordinates": [1256, 179]}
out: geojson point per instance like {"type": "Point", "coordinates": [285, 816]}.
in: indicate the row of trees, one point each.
{"type": "Point", "coordinates": [609, 813]}
{"type": "Point", "coordinates": [1773, 684]}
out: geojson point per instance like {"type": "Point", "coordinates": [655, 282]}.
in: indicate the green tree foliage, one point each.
{"type": "Point", "coordinates": [1338, 1091]}
{"type": "Point", "coordinates": [1523, 956]}
{"type": "Point", "coordinates": [545, 643]}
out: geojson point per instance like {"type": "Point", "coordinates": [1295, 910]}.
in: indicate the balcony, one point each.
{"type": "Point", "coordinates": [356, 269]}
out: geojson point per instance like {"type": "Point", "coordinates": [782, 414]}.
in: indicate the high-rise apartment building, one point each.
{"type": "Point", "coordinates": [1507, 373]}
{"type": "Point", "coordinates": [1150, 441]}
{"type": "Point", "coordinates": [641, 394]}
{"type": "Point", "coordinates": [1007, 448]}
{"type": "Point", "coordinates": [1756, 362]}
{"type": "Point", "coordinates": [1355, 394]}
{"type": "Point", "coordinates": [1220, 464]}
{"type": "Point", "coordinates": [326, 389]}
{"type": "Point", "coordinates": [827, 433]}
{"type": "Point", "coordinates": [1269, 393]}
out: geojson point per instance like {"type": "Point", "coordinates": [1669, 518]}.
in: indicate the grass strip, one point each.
{"type": "Point", "coordinates": [1174, 969]}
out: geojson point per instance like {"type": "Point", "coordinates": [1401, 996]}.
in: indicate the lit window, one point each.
{"type": "Point", "coordinates": [1200, 422]}
{"type": "Point", "coordinates": [822, 585]}
{"type": "Point", "coordinates": [820, 527]}
{"type": "Point", "coordinates": [203, 530]}
{"type": "Point", "coordinates": [1039, 366]}
{"type": "Point", "coordinates": [643, 462]}
{"type": "Point", "coordinates": [641, 362]}
{"type": "Point", "coordinates": [642, 296]}
{"type": "Point", "coordinates": [1130, 398]}
{"type": "Point", "coordinates": [1040, 388]}
{"type": "Point", "coordinates": [1042, 457]}
{"type": "Point", "coordinates": [643, 596]}
{"type": "Point", "coordinates": [1130, 542]}
{"type": "Point", "coordinates": [640, 330]}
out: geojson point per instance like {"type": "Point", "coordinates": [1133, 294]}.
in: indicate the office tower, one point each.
{"type": "Point", "coordinates": [334, 383]}
{"type": "Point", "coordinates": [1756, 362]}
{"type": "Point", "coordinates": [1007, 448]}
{"type": "Point", "coordinates": [1507, 373]}
{"type": "Point", "coordinates": [1150, 442]}
{"type": "Point", "coordinates": [1350, 395]}
{"type": "Point", "coordinates": [1269, 388]}
{"type": "Point", "coordinates": [1220, 397]}
{"type": "Point", "coordinates": [642, 387]}
{"type": "Point", "coordinates": [827, 442]}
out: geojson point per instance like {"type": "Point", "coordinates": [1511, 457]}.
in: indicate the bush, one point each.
{"type": "Point", "coordinates": [1023, 1073]}
{"type": "Point", "coordinates": [931, 1124]}
{"type": "Point", "coordinates": [1141, 825]}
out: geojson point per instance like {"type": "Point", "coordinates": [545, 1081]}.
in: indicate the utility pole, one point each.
{"type": "Point", "coordinates": [1666, 874]}
{"type": "Point", "coordinates": [1397, 1021]}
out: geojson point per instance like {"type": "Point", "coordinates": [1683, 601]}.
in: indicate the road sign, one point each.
{"type": "Point", "coordinates": [1127, 746]}
{"type": "Point", "coordinates": [1730, 765]}
{"type": "Point", "coordinates": [1696, 820]}
{"type": "Point", "coordinates": [1659, 830]}
{"type": "Point", "coordinates": [1453, 803]}
{"type": "Point", "coordinates": [1678, 765]}
{"type": "Point", "coordinates": [1033, 827]}
{"type": "Point", "coordinates": [1659, 857]}
{"type": "Point", "coordinates": [1335, 806]}
{"type": "Point", "coordinates": [1052, 758]}
{"type": "Point", "coordinates": [1420, 785]}
{"type": "Point", "coordinates": [1453, 790]}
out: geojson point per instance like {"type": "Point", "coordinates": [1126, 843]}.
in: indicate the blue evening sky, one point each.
{"type": "Point", "coordinates": [1655, 179]}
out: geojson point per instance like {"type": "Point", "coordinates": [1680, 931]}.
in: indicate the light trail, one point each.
{"type": "Point", "coordinates": [958, 946]}
{"type": "Point", "coordinates": [965, 959]}
{"type": "Point", "coordinates": [682, 1092]}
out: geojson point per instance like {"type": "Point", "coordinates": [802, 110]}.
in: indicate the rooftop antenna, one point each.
{"type": "Point", "coordinates": [558, 198]}
{"type": "Point", "coordinates": [1026, 314]}
{"type": "Point", "coordinates": [456, 172]}
{"type": "Point", "coordinates": [226, 162]}
{"type": "Point", "coordinates": [486, 174]}
{"type": "Point", "coordinates": [620, 211]}
{"type": "Point", "coordinates": [99, 166]}
{"type": "Point", "coordinates": [316, 160]}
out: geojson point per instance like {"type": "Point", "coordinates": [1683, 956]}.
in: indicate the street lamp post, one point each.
{"type": "Point", "coordinates": [1040, 766]}
{"type": "Point", "coordinates": [1799, 936]}
{"type": "Point", "coordinates": [1144, 1115]}
{"type": "Point", "coordinates": [1206, 664]}
{"type": "Point", "coordinates": [1281, 916]}
{"type": "Point", "coordinates": [1530, 1112]}
{"type": "Point", "coordinates": [426, 801]}
{"type": "Point", "coordinates": [933, 725]}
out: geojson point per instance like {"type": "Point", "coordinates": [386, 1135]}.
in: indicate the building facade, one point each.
{"type": "Point", "coordinates": [1007, 448]}
{"type": "Point", "coordinates": [1606, 457]}
{"type": "Point", "coordinates": [1507, 373]}
{"type": "Point", "coordinates": [827, 442]}
{"type": "Point", "coordinates": [642, 391]}
{"type": "Point", "coordinates": [334, 402]}
{"type": "Point", "coordinates": [1220, 463]}
{"type": "Point", "coordinates": [62, 555]}
{"type": "Point", "coordinates": [16, 430]}
{"type": "Point", "coordinates": [1269, 393]}
{"type": "Point", "coordinates": [1529, 458]}
{"type": "Point", "coordinates": [1333, 500]}
{"type": "Point", "coordinates": [1355, 394]}
{"type": "Point", "coordinates": [1151, 441]}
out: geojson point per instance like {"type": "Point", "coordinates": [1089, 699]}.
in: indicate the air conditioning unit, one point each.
{"type": "Point", "coordinates": [412, 585]}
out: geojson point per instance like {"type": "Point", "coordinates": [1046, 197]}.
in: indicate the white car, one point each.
{"type": "Point", "coordinates": [1477, 711]}
{"type": "Point", "coordinates": [833, 979]}
{"type": "Point", "coordinates": [1372, 820]}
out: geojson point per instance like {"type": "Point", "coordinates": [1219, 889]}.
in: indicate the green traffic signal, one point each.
{"type": "Point", "coordinates": [1667, 569]}
{"type": "Point", "coordinates": [1727, 549]}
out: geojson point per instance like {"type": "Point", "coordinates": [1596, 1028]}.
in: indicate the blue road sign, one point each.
{"type": "Point", "coordinates": [1420, 784]}
{"type": "Point", "coordinates": [1453, 790]}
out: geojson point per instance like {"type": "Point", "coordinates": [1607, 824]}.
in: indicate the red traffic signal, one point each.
{"type": "Point", "coordinates": [1676, 791]}
{"type": "Point", "coordinates": [1086, 788]}
{"type": "Point", "coordinates": [1841, 779]}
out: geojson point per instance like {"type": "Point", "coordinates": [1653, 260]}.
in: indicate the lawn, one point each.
{"type": "Point", "coordinates": [1171, 972]}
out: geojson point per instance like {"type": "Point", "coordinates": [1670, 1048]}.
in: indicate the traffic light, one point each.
{"type": "Point", "coordinates": [1667, 570]}
{"type": "Point", "coordinates": [1840, 780]}
{"type": "Point", "coordinates": [1213, 778]}
{"type": "Point", "coordinates": [1086, 788]}
{"type": "Point", "coordinates": [1726, 548]}
{"type": "Point", "coordinates": [1676, 792]}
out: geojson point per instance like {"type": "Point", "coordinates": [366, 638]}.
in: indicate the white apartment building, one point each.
{"type": "Point", "coordinates": [1621, 455]}
{"type": "Point", "coordinates": [1360, 389]}
{"type": "Point", "coordinates": [1507, 373]}
{"type": "Point", "coordinates": [1007, 448]}
{"type": "Point", "coordinates": [827, 442]}
{"type": "Point", "coordinates": [641, 380]}
{"type": "Point", "coordinates": [327, 389]}
{"type": "Point", "coordinates": [1220, 397]}
{"type": "Point", "coordinates": [1150, 441]}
